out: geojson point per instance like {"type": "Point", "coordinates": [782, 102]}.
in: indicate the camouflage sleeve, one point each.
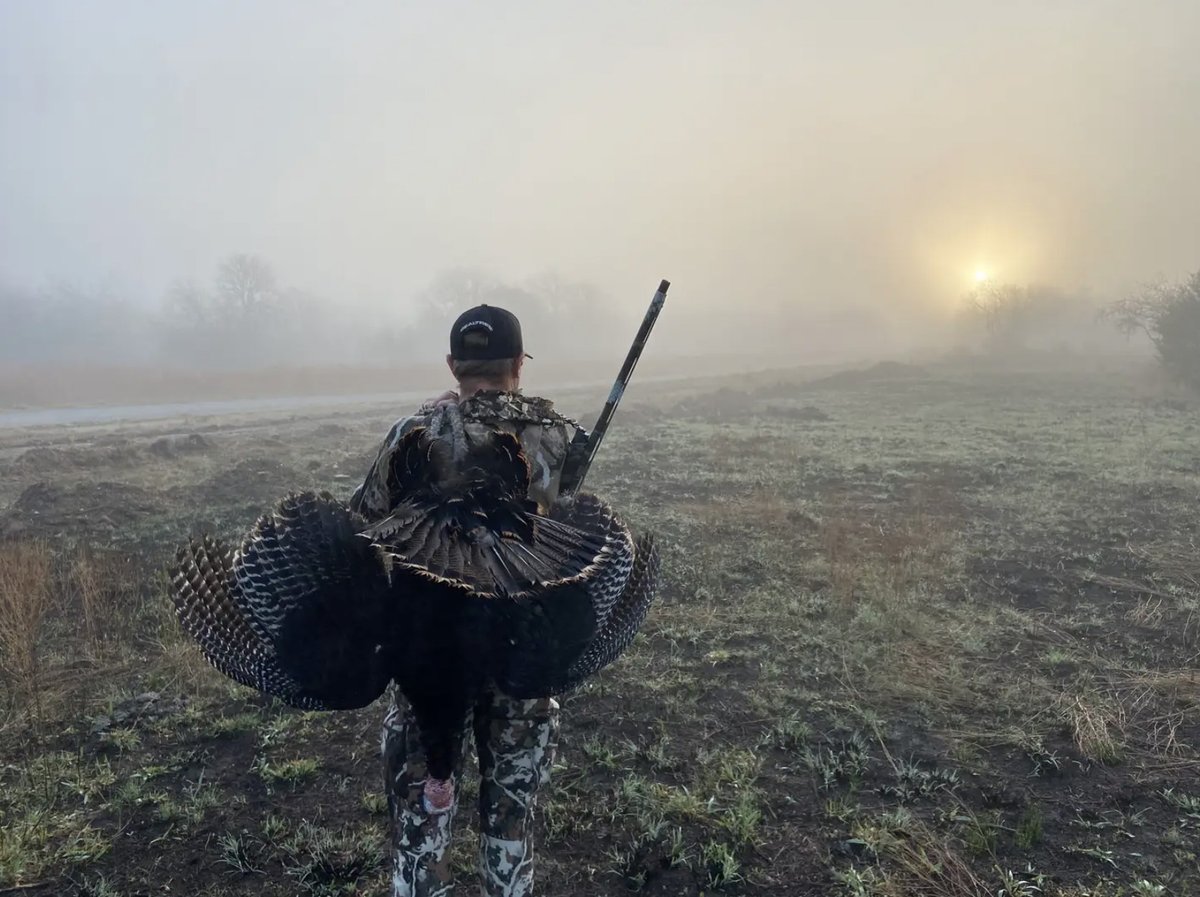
{"type": "Point", "coordinates": [548, 456]}
{"type": "Point", "coordinates": [368, 498]}
{"type": "Point", "coordinates": [576, 438]}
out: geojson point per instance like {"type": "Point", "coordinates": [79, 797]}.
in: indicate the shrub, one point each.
{"type": "Point", "coordinates": [1170, 316]}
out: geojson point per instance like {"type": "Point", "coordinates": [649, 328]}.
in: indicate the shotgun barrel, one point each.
{"type": "Point", "coordinates": [584, 448]}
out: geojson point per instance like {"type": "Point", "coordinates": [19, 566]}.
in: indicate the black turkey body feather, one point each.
{"type": "Point", "coordinates": [464, 585]}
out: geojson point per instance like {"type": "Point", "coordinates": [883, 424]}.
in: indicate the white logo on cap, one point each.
{"type": "Point", "coordinates": [475, 324]}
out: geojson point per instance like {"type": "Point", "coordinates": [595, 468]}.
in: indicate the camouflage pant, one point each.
{"type": "Point", "coordinates": [516, 741]}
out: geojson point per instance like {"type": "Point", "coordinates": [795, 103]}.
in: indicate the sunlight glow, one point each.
{"type": "Point", "coordinates": [981, 275]}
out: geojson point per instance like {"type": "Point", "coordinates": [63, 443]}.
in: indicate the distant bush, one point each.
{"type": "Point", "coordinates": [1007, 319]}
{"type": "Point", "coordinates": [1170, 316]}
{"type": "Point", "coordinates": [1005, 312]}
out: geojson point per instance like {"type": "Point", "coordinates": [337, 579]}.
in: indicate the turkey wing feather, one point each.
{"type": "Point", "coordinates": [304, 609]}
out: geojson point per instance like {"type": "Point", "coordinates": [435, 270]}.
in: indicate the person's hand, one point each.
{"type": "Point", "coordinates": [449, 397]}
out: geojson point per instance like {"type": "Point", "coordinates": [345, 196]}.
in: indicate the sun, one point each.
{"type": "Point", "coordinates": [981, 275]}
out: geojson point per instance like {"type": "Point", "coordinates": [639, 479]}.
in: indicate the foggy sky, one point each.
{"type": "Point", "coordinates": [760, 154]}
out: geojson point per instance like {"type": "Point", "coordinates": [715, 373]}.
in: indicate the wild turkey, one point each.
{"type": "Point", "coordinates": [463, 585]}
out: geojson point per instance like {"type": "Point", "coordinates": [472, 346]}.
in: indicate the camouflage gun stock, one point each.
{"type": "Point", "coordinates": [585, 445]}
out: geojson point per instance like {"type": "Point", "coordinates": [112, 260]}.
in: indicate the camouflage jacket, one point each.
{"type": "Point", "coordinates": [545, 436]}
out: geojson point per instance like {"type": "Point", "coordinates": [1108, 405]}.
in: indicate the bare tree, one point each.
{"type": "Point", "coordinates": [1139, 313]}
{"type": "Point", "coordinates": [1003, 309]}
{"type": "Point", "coordinates": [245, 284]}
{"type": "Point", "coordinates": [210, 327]}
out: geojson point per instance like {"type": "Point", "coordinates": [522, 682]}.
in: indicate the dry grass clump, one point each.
{"type": "Point", "coordinates": [102, 592]}
{"type": "Point", "coordinates": [87, 579]}
{"type": "Point", "coordinates": [1097, 728]}
{"type": "Point", "coordinates": [66, 616]}
{"type": "Point", "coordinates": [913, 860]}
{"type": "Point", "coordinates": [26, 597]}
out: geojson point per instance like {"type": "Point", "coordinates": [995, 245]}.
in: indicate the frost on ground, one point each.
{"type": "Point", "coordinates": [919, 635]}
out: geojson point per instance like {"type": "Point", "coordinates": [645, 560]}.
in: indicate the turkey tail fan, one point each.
{"type": "Point", "coordinates": [469, 521]}
{"type": "Point", "coordinates": [302, 610]}
{"type": "Point", "coordinates": [488, 551]}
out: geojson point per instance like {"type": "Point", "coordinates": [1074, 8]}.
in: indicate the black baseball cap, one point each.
{"type": "Point", "coordinates": [485, 333]}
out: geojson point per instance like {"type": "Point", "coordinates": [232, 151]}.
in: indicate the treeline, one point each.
{"type": "Point", "coordinates": [1006, 319]}
{"type": "Point", "coordinates": [246, 318]}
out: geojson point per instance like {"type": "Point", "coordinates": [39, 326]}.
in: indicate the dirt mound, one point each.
{"type": "Point", "coordinates": [48, 459]}
{"type": "Point", "coordinates": [884, 372]}
{"type": "Point", "coordinates": [171, 446]}
{"type": "Point", "coordinates": [42, 459]}
{"type": "Point", "coordinates": [780, 389]}
{"type": "Point", "coordinates": [735, 404]}
{"type": "Point", "coordinates": [720, 404]}
{"type": "Point", "coordinates": [331, 430]}
{"type": "Point", "coordinates": [253, 481]}
{"type": "Point", "coordinates": [805, 412]}
{"type": "Point", "coordinates": [45, 509]}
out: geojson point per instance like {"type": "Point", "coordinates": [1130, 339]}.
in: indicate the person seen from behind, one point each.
{"type": "Point", "coordinates": [515, 740]}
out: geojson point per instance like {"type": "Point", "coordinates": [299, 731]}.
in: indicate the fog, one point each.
{"type": "Point", "coordinates": [814, 178]}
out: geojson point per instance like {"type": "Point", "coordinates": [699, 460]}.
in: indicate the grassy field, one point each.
{"type": "Point", "coordinates": [922, 632]}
